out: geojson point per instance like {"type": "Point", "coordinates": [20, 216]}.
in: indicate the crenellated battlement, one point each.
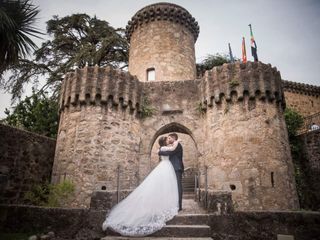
{"type": "Point", "coordinates": [301, 88]}
{"type": "Point", "coordinates": [255, 80]}
{"type": "Point", "coordinates": [96, 85]}
{"type": "Point", "coordinates": [163, 11]}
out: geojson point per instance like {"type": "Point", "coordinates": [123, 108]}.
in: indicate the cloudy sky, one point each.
{"type": "Point", "coordinates": [287, 32]}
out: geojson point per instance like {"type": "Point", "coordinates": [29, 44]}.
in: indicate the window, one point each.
{"type": "Point", "coordinates": [151, 74]}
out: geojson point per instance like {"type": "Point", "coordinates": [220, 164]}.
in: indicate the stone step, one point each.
{"type": "Point", "coordinates": [190, 206]}
{"type": "Point", "coordinates": [190, 219]}
{"type": "Point", "coordinates": [155, 238]}
{"type": "Point", "coordinates": [188, 195]}
{"type": "Point", "coordinates": [184, 231]}
{"type": "Point", "coordinates": [188, 185]}
{"type": "Point", "coordinates": [188, 189]}
{"type": "Point", "coordinates": [175, 231]}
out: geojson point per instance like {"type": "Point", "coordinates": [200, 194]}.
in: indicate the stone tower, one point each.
{"type": "Point", "coordinates": [162, 38]}
{"type": "Point", "coordinates": [234, 116]}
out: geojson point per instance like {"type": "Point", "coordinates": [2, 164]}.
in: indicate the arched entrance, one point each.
{"type": "Point", "coordinates": [148, 158]}
{"type": "Point", "coordinates": [190, 152]}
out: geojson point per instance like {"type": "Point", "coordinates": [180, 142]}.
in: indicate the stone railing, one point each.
{"type": "Point", "coordinates": [308, 121]}
{"type": "Point", "coordinates": [215, 202]}
{"type": "Point", "coordinates": [97, 85]}
{"type": "Point", "coordinates": [237, 80]}
{"type": "Point", "coordinates": [163, 11]}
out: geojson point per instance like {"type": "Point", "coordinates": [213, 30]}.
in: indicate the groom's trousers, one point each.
{"type": "Point", "coordinates": [179, 181]}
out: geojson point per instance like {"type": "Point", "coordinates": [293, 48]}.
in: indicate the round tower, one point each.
{"type": "Point", "coordinates": [98, 138]}
{"type": "Point", "coordinates": [247, 148]}
{"type": "Point", "coordinates": [162, 38]}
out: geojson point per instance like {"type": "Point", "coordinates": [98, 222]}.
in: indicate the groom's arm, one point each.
{"type": "Point", "coordinates": [169, 153]}
{"type": "Point", "coordinates": [169, 148]}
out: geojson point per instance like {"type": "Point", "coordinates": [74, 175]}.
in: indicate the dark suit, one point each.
{"type": "Point", "coordinates": [175, 158]}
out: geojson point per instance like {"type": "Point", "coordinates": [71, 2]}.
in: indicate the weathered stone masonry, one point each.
{"type": "Point", "coordinates": [26, 160]}
{"type": "Point", "coordinates": [162, 37]}
{"type": "Point", "coordinates": [303, 98]}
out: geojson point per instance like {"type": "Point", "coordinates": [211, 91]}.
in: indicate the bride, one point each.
{"type": "Point", "coordinates": [153, 203]}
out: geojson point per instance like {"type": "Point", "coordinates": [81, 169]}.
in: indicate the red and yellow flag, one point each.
{"type": "Point", "coordinates": [244, 53]}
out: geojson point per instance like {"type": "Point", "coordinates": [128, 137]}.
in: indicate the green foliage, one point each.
{"type": "Point", "coordinates": [17, 20]}
{"type": "Point", "coordinates": [146, 110]}
{"type": "Point", "coordinates": [201, 108]}
{"type": "Point", "coordinates": [233, 83]}
{"type": "Point", "coordinates": [37, 113]}
{"type": "Point", "coordinates": [61, 194]}
{"type": "Point", "coordinates": [211, 61]}
{"type": "Point", "coordinates": [50, 195]}
{"type": "Point", "coordinates": [77, 40]}
{"type": "Point", "coordinates": [16, 236]}
{"type": "Point", "coordinates": [38, 195]}
{"type": "Point", "coordinates": [293, 120]}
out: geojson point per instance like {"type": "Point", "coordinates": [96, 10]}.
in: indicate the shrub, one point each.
{"type": "Point", "coordinates": [50, 195]}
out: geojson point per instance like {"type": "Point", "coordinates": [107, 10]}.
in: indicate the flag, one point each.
{"type": "Point", "coordinates": [253, 46]}
{"type": "Point", "coordinates": [244, 53]}
{"type": "Point", "coordinates": [230, 52]}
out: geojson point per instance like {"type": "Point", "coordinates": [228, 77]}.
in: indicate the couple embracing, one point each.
{"type": "Point", "coordinates": [156, 200]}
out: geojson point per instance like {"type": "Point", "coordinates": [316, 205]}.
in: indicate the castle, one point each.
{"type": "Point", "coordinates": [233, 117]}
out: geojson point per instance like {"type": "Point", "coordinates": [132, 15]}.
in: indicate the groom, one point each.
{"type": "Point", "coordinates": [175, 158]}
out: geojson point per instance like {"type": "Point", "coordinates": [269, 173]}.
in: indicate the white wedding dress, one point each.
{"type": "Point", "coordinates": [148, 208]}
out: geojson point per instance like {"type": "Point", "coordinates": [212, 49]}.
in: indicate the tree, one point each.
{"type": "Point", "coordinates": [16, 25]}
{"type": "Point", "coordinates": [78, 40]}
{"type": "Point", "coordinates": [211, 61]}
{"type": "Point", "coordinates": [294, 121]}
{"type": "Point", "coordinates": [37, 113]}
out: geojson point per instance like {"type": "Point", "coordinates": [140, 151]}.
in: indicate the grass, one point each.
{"type": "Point", "coordinates": [15, 236]}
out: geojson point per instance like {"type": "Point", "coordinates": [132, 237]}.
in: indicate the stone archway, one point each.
{"type": "Point", "coordinates": [149, 158]}
{"type": "Point", "coordinates": [172, 127]}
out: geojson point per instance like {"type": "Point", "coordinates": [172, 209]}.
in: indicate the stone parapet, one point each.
{"type": "Point", "coordinates": [300, 88]}
{"type": "Point", "coordinates": [235, 81]}
{"type": "Point", "coordinates": [163, 11]}
{"type": "Point", "coordinates": [97, 85]}
{"type": "Point", "coordinates": [215, 202]}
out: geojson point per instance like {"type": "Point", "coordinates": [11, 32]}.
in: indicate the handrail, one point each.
{"type": "Point", "coordinates": [206, 186]}
{"type": "Point", "coordinates": [118, 184]}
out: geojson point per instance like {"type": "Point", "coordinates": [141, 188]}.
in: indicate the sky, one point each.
{"type": "Point", "coordinates": [287, 32]}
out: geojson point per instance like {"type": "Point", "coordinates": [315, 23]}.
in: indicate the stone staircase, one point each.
{"type": "Point", "coordinates": [190, 223]}
{"type": "Point", "coordinates": [183, 226]}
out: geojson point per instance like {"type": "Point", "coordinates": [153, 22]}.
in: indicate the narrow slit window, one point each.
{"type": "Point", "coordinates": [151, 74]}
{"type": "Point", "coordinates": [272, 179]}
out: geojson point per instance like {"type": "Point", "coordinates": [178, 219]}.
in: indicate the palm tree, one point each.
{"type": "Point", "coordinates": [16, 25]}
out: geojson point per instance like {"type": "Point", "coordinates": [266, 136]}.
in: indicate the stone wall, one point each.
{"type": "Point", "coordinates": [162, 37]}
{"type": "Point", "coordinates": [26, 160]}
{"type": "Point", "coordinates": [308, 163]}
{"type": "Point", "coordinates": [306, 105]}
{"type": "Point", "coordinates": [303, 98]}
{"type": "Point", "coordinates": [86, 224]}
{"type": "Point", "coordinates": [175, 110]}
{"type": "Point", "coordinates": [92, 142]}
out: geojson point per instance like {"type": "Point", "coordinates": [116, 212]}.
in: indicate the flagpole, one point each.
{"type": "Point", "coordinates": [230, 53]}
{"type": "Point", "coordinates": [250, 30]}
